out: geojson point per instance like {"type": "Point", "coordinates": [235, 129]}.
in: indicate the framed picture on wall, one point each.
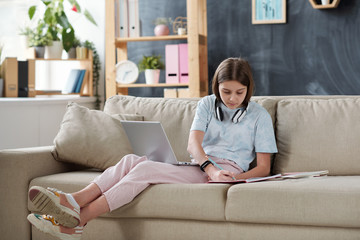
{"type": "Point", "coordinates": [268, 11]}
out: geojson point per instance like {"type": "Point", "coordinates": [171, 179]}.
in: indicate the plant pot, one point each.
{"type": "Point", "coordinates": [1, 87]}
{"type": "Point", "coordinates": [39, 51]}
{"type": "Point", "coordinates": [71, 54]}
{"type": "Point", "coordinates": [81, 53]}
{"type": "Point", "coordinates": [152, 76]}
{"type": "Point", "coordinates": [325, 2]}
{"type": "Point", "coordinates": [54, 51]}
{"type": "Point", "coordinates": [161, 30]}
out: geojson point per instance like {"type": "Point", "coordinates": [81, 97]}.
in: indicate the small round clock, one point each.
{"type": "Point", "coordinates": [126, 72]}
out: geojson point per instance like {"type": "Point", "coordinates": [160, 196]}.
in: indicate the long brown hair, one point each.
{"type": "Point", "coordinates": [231, 69]}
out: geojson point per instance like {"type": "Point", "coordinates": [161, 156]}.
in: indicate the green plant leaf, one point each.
{"type": "Point", "coordinates": [46, 2]}
{"type": "Point", "coordinates": [89, 17]}
{"type": "Point", "coordinates": [48, 16]}
{"type": "Point", "coordinates": [68, 37]}
{"type": "Point", "coordinates": [63, 20]}
{"type": "Point", "coordinates": [32, 11]}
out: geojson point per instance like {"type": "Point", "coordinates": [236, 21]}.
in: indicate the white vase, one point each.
{"type": "Point", "coordinates": [152, 76]}
{"type": "Point", "coordinates": [325, 2]}
{"type": "Point", "coordinates": [54, 51]}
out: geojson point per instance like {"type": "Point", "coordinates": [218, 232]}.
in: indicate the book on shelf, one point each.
{"type": "Point", "coordinates": [80, 81]}
{"type": "Point", "coordinates": [280, 176]}
{"type": "Point", "coordinates": [72, 81]}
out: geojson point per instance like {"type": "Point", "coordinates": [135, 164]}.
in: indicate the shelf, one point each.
{"type": "Point", "coordinates": [139, 85]}
{"type": "Point", "coordinates": [333, 4]}
{"type": "Point", "coordinates": [152, 38]}
{"type": "Point", "coordinates": [116, 50]}
{"type": "Point", "coordinates": [60, 59]}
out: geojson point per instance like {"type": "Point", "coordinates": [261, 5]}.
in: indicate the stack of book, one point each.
{"type": "Point", "coordinates": [75, 82]}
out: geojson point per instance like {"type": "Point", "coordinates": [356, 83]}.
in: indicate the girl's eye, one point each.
{"type": "Point", "coordinates": [239, 93]}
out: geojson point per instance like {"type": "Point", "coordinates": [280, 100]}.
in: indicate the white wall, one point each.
{"type": "Point", "coordinates": [14, 16]}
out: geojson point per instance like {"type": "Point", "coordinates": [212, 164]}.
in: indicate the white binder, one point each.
{"type": "Point", "coordinates": [123, 18]}
{"type": "Point", "coordinates": [134, 21]}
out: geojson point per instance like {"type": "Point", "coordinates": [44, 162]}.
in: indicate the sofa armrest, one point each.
{"type": "Point", "coordinates": [17, 168]}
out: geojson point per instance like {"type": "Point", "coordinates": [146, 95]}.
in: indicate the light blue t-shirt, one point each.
{"type": "Point", "coordinates": [238, 142]}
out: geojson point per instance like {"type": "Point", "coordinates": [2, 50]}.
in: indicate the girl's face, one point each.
{"type": "Point", "coordinates": [232, 93]}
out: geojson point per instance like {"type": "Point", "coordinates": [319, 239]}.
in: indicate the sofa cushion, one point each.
{"type": "Point", "coordinates": [331, 201]}
{"type": "Point", "coordinates": [175, 201]}
{"type": "Point", "coordinates": [92, 138]}
{"type": "Point", "coordinates": [318, 135]}
{"type": "Point", "coordinates": [176, 116]}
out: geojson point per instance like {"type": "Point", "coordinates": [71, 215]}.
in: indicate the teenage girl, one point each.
{"type": "Point", "coordinates": [227, 133]}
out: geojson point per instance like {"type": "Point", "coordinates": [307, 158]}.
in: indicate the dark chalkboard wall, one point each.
{"type": "Point", "coordinates": [317, 52]}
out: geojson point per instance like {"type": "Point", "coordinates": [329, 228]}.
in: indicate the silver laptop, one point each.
{"type": "Point", "coordinates": [149, 139]}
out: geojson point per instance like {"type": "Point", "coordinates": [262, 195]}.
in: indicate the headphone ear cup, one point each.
{"type": "Point", "coordinates": [219, 114]}
{"type": "Point", "coordinates": [239, 114]}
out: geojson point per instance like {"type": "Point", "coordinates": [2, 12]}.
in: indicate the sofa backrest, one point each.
{"type": "Point", "coordinates": [318, 134]}
{"type": "Point", "coordinates": [176, 116]}
{"type": "Point", "coordinates": [313, 132]}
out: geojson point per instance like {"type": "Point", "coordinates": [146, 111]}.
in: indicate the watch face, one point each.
{"type": "Point", "coordinates": [126, 72]}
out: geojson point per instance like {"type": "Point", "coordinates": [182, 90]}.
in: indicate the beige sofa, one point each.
{"type": "Point", "coordinates": [313, 133]}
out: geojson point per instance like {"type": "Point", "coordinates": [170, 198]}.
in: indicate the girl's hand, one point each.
{"type": "Point", "coordinates": [221, 176]}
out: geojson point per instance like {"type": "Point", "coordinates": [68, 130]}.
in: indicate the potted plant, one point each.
{"type": "Point", "coordinates": [151, 65]}
{"type": "Point", "coordinates": [161, 26]}
{"type": "Point", "coordinates": [57, 23]}
{"type": "Point", "coordinates": [37, 38]}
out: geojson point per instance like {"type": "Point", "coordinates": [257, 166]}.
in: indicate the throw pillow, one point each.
{"type": "Point", "coordinates": [91, 137]}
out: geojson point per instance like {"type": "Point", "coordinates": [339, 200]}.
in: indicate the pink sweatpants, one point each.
{"type": "Point", "coordinates": [121, 183]}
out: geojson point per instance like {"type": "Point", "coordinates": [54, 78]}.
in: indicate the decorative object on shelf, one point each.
{"type": "Point", "coordinates": [126, 72]}
{"type": "Point", "coordinates": [56, 21]}
{"type": "Point", "coordinates": [81, 52]}
{"type": "Point", "coordinates": [325, 4]}
{"type": "Point", "coordinates": [268, 12]}
{"type": "Point", "coordinates": [153, 64]}
{"type": "Point", "coordinates": [71, 54]}
{"type": "Point", "coordinates": [96, 71]}
{"type": "Point", "coordinates": [180, 25]}
{"type": "Point", "coordinates": [54, 51]}
{"type": "Point", "coordinates": [161, 26]}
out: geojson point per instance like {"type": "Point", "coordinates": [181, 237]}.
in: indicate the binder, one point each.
{"type": "Point", "coordinates": [183, 63]}
{"type": "Point", "coordinates": [172, 63]}
{"type": "Point", "coordinates": [134, 21]}
{"type": "Point", "coordinates": [31, 78]}
{"type": "Point", "coordinates": [23, 74]}
{"type": "Point", "coordinates": [123, 18]}
{"type": "Point", "coordinates": [10, 75]}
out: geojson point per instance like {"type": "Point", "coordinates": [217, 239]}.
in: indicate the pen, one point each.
{"type": "Point", "coordinates": [218, 166]}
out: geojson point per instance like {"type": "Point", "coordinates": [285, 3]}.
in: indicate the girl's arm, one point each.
{"type": "Point", "coordinates": [196, 137]}
{"type": "Point", "coordinates": [261, 170]}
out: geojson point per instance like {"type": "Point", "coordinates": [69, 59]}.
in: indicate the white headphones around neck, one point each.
{"type": "Point", "coordinates": [237, 117]}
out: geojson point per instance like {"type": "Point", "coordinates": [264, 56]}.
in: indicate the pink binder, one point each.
{"type": "Point", "coordinates": [172, 63]}
{"type": "Point", "coordinates": [183, 63]}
